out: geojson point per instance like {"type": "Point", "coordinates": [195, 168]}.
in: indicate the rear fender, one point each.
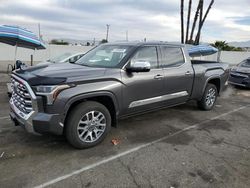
{"type": "Point", "coordinates": [209, 80]}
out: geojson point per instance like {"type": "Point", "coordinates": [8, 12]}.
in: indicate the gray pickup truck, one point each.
{"type": "Point", "coordinates": [112, 81]}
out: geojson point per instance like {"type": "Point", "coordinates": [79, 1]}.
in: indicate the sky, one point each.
{"type": "Point", "coordinates": [152, 19]}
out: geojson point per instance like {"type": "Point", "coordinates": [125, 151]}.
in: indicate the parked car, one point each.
{"type": "Point", "coordinates": [113, 81]}
{"type": "Point", "coordinates": [63, 58]}
{"type": "Point", "coordinates": [240, 74]}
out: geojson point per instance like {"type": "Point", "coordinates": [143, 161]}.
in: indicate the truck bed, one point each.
{"type": "Point", "coordinates": [204, 70]}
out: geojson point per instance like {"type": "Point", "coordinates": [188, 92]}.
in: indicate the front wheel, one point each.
{"type": "Point", "coordinates": [88, 124]}
{"type": "Point", "coordinates": [209, 97]}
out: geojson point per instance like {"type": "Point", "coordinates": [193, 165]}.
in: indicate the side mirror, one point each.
{"type": "Point", "coordinates": [139, 66]}
{"type": "Point", "coordinates": [72, 60]}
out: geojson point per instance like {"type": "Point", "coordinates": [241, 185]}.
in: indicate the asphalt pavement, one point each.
{"type": "Point", "coordinates": [175, 147]}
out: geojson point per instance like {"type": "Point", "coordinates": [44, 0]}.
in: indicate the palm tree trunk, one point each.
{"type": "Point", "coordinates": [202, 22]}
{"type": "Point", "coordinates": [194, 22]}
{"type": "Point", "coordinates": [182, 21]}
{"type": "Point", "coordinates": [188, 19]}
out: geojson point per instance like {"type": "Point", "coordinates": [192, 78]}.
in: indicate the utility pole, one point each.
{"type": "Point", "coordinates": [39, 31]}
{"type": "Point", "coordinates": [127, 35]}
{"type": "Point", "coordinates": [107, 36]}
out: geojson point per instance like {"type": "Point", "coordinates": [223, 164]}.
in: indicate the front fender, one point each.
{"type": "Point", "coordinates": [85, 96]}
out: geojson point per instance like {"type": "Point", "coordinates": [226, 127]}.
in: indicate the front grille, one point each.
{"type": "Point", "coordinates": [20, 96]}
{"type": "Point", "coordinates": [238, 75]}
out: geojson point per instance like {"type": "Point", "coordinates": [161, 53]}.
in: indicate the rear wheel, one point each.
{"type": "Point", "coordinates": [209, 97]}
{"type": "Point", "coordinates": [88, 124]}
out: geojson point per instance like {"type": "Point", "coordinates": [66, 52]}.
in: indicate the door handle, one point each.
{"type": "Point", "coordinates": [158, 77]}
{"type": "Point", "coordinates": [188, 73]}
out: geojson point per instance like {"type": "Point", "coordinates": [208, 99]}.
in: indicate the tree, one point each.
{"type": "Point", "coordinates": [57, 42]}
{"type": "Point", "coordinates": [197, 39]}
{"type": "Point", "coordinates": [194, 23]}
{"type": "Point", "coordinates": [188, 19]}
{"type": "Point", "coordinates": [198, 14]}
{"type": "Point", "coordinates": [103, 41]}
{"type": "Point", "coordinates": [223, 46]}
{"type": "Point", "coordinates": [182, 21]}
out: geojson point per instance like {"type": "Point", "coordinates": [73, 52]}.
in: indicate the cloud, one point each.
{"type": "Point", "coordinates": [153, 19]}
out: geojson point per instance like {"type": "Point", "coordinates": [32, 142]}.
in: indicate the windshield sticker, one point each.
{"type": "Point", "coordinates": [119, 50]}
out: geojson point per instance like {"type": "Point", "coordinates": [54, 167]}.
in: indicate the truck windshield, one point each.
{"type": "Point", "coordinates": [60, 57]}
{"type": "Point", "coordinates": [104, 56]}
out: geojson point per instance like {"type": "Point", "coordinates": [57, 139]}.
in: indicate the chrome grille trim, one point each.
{"type": "Point", "coordinates": [27, 99]}
{"type": "Point", "coordinates": [22, 95]}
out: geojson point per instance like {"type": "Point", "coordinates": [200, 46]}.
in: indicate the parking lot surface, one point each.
{"type": "Point", "coordinates": [175, 147]}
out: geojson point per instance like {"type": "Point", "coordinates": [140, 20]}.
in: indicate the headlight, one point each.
{"type": "Point", "coordinates": [44, 89]}
{"type": "Point", "coordinates": [50, 92]}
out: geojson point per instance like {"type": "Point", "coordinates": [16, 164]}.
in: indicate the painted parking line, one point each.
{"type": "Point", "coordinates": [4, 117]}
{"type": "Point", "coordinates": [114, 157]}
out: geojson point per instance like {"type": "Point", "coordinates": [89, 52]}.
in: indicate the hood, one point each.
{"type": "Point", "coordinates": [57, 73]}
{"type": "Point", "coordinates": [44, 63]}
{"type": "Point", "coordinates": [242, 69]}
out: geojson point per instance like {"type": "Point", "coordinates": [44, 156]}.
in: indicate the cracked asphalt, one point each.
{"type": "Point", "coordinates": [182, 147]}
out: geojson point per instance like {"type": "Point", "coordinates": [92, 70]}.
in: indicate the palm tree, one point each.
{"type": "Point", "coordinates": [182, 21]}
{"type": "Point", "coordinates": [200, 21]}
{"type": "Point", "coordinates": [188, 19]}
{"type": "Point", "coordinates": [194, 23]}
{"type": "Point", "coordinates": [197, 39]}
{"type": "Point", "coordinates": [221, 45]}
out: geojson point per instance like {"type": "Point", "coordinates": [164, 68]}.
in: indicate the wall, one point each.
{"type": "Point", "coordinates": [231, 58]}
{"type": "Point", "coordinates": [7, 53]}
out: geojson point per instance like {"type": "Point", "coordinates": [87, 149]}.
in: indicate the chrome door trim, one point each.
{"type": "Point", "coordinates": [157, 99]}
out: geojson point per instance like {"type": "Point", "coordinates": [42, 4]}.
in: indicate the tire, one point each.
{"type": "Point", "coordinates": [209, 97]}
{"type": "Point", "coordinates": [87, 124]}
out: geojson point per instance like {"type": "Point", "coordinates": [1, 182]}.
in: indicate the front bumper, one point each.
{"type": "Point", "coordinates": [31, 116]}
{"type": "Point", "coordinates": [20, 118]}
{"type": "Point", "coordinates": [239, 79]}
{"type": "Point", "coordinates": [35, 122]}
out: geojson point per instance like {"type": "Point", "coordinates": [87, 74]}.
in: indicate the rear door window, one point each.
{"type": "Point", "coordinates": [171, 57]}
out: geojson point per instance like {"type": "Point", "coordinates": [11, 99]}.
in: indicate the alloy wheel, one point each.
{"type": "Point", "coordinates": [91, 126]}
{"type": "Point", "coordinates": [211, 97]}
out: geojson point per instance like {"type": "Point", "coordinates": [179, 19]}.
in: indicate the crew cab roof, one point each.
{"type": "Point", "coordinates": [145, 43]}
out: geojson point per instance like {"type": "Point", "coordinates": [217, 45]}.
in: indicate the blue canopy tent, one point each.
{"type": "Point", "coordinates": [20, 37]}
{"type": "Point", "coordinates": [201, 50]}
